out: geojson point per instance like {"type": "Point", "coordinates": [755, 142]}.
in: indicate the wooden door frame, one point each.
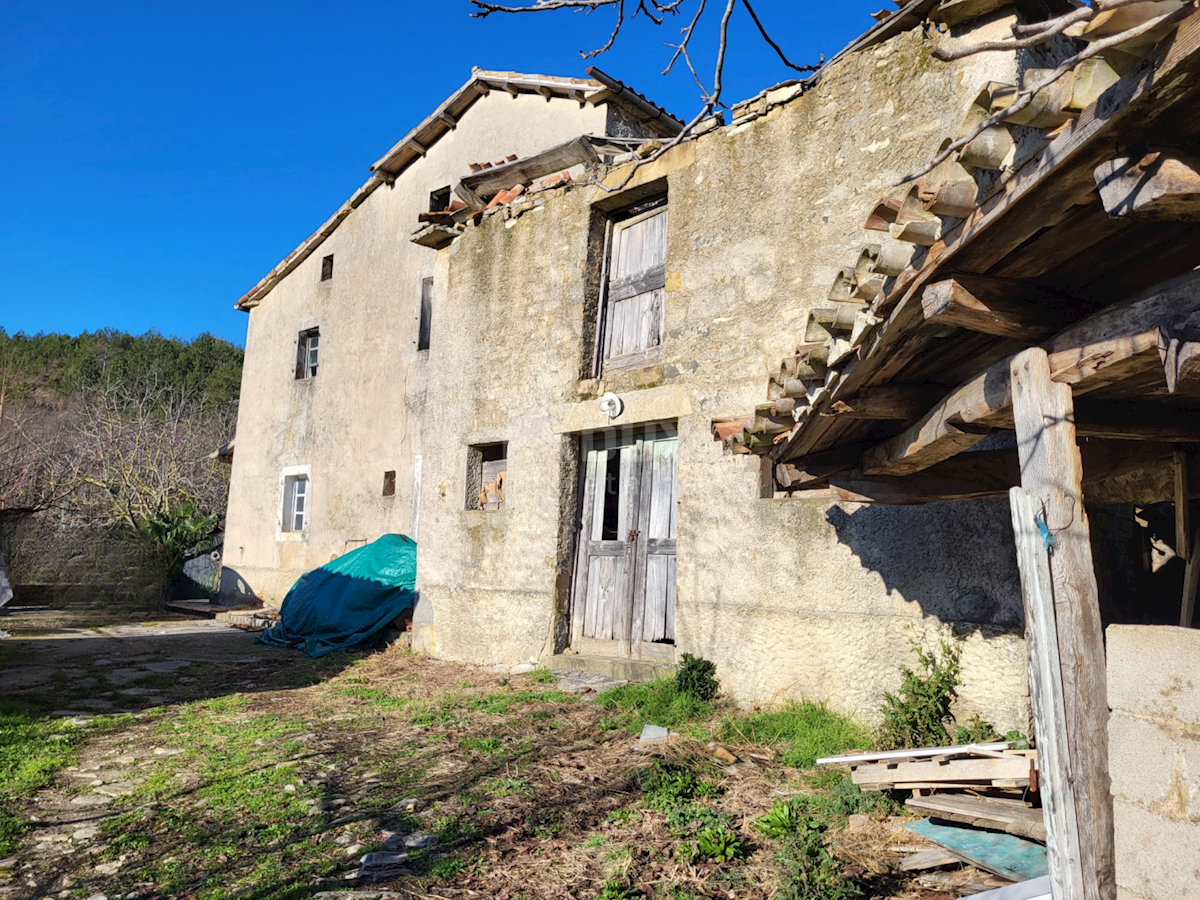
{"type": "Point", "coordinates": [627, 617]}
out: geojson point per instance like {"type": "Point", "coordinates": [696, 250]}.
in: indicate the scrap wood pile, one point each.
{"type": "Point", "coordinates": [979, 800]}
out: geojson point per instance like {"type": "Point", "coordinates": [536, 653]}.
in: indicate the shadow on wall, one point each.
{"type": "Point", "coordinates": [955, 560]}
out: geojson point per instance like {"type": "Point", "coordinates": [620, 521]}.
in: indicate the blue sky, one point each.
{"type": "Point", "coordinates": [157, 159]}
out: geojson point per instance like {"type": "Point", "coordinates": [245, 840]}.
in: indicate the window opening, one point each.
{"type": "Point", "coordinates": [487, 476]}
{"type": "Point", "coordinates": [308, 353]}
{"type": "Point", "coordinates": [426, 316]}
{"type": "Point", "coordinates": [635, 287]}
{"type": "Point", "coordinates": [439, 200]}
{"type": "Point", "coordinates": [295, 503]}
{"type": "Point", "coordinates": [389, 483]}
{"type": "Point", "coordinates": [327, 267]}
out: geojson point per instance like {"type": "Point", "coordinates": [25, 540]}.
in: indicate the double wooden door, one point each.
{"type": "Point", "coordinates": [624, 586]}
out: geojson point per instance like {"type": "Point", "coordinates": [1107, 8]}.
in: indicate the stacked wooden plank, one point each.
{"type": "Point", "coordinates": [967, 767]}
{"type": "Point", "coordinates": [838, 331]}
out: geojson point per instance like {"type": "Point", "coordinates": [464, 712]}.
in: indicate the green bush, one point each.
{"type": "Point", "coordinates": [696, 678]}
{"type": "Point", "coordinates": [805, 732]}
{"type": "Point", "coordinates": [668, 784]}
{"type": "Point", "coordinates": [810, 871]}
{"type": "Point", "coordinates": [919, 714]}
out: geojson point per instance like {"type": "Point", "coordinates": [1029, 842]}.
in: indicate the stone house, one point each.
{"type": "Point", "coordinates": [482, 431]}
{"type": "Point", "coordinates": [597, 321]}
{"type": "Point", "coordinates": [329, 440]}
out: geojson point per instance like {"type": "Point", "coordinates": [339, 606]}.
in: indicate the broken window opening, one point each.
{"type": "Point", "coordinates": [426, 315]}
{"type": "Point", "coordinates": [327, 267]}
{"type": "Point", "coordinates": [389, 483]}
{"type": "Point", "coordinates": [439, 200]}
{"type": "Point", "coordinates": [308, 348]}
{"type": "Point", "coordinates": [612, 498]}
{"type": "Point", "coordinates": [487, 476]}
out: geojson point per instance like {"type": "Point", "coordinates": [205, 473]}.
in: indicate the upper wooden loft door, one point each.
{"type": "Point", "coordinates": [635, 290]}
{"type": "Point", "coordinates": [624, 587]}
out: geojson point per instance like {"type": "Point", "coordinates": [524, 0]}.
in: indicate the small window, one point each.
{"type": "Point", "coordinates": [439, 200]}
{"type": "Point", "coordinates": [389, 483]}
{"type": "Point", "coordinates": [632, 329]}
{"type": "Point", "coordinates": [487, 476]}
{"type": "Point", "coordinates": [327, 267]}
{"type": "Point", "coordinates": [308, 350]}
{"type": "Point", "coordinates": [295, 503]}
{"type": "Point", "coordinates": [425, 322]}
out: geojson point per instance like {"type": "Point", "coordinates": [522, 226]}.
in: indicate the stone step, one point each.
{"type": "Point", "coordinates": [615, 668]}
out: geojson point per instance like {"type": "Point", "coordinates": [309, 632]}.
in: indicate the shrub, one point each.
{"type": "Point", "coordinates": [696, 678]}
{"type": "Point", "coordinates": [669, 784]}
{"type": "Point", "coordinates": [805, 731]}
{"type": "Point", "coordinates": [919, 715]}
{"type": "Point", "coordinates": [811, 872]}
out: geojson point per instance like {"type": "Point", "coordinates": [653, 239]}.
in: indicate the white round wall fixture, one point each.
{"type": "Point", "coordinates": [611, 404]}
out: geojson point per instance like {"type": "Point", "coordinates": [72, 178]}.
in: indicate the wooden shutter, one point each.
{"type": "Point", "coordinates": [635, 291]}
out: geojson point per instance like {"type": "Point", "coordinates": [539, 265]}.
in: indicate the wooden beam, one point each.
{"type": "Point", "coordinates": [1107, 466]}
{"type": "Point", "coordinates": [1191, 581]}
{"type": "Point", "coordinates": [1179, 349]}
{"type": "Point", "coordinates": [1099, 351]}
{"type": "Point", "coordinates": [989, 306]}
{"type": "Point", "coordinates": [890, 401]}
{"type": "Point", "coordinates": [1183, 518]}
{"type": "Point", "coordinates": [1063, 633]}
{"type": "Point", "coordinates": [1039, 194]}
{"type": "Point", "coordinates": [1160, 185]}
{"type": "Point", "coordinates": [817, 468]}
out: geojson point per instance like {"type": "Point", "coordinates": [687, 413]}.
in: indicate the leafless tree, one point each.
{"type": "Point", "coordinates": [148, 445]}
{"type": "Point", "coordinates": [1160, 15]}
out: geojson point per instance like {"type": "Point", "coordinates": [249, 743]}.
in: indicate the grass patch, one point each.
{"type": "Point", "coordinates": [486, 746]}
{"type": "Point", "coordinates": [658, 702]}
{"type": "Point", "coordinates": [803, 731]}
{"type": "Point", "coordinates": [507, 787]}
{"type": "Point", "coordinates": [376, 697]}
{"type": "Point", "coordinates": [32, 749]}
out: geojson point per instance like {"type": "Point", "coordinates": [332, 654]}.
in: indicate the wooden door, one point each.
{"type": "Point", "coordinates": [624, 586]}
{"type": "Point", "coordinates": [635, 291]}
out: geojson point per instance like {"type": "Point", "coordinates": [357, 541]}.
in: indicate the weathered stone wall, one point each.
{"type": "Point", "coordinates": [791, 598]}
{"type": "Point", "coordinates": [1154, 755]}
{"type": "Point", "coordinates": [359, 417]}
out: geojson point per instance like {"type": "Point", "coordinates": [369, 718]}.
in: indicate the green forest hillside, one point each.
{"type": "Point", "coordinates": [51, 368]}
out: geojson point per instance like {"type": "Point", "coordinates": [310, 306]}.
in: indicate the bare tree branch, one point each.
{"type": "Point", "coordinates": [774, 46]}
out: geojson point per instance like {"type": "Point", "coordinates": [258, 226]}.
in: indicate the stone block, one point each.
{"type": "Point", "coordinates": [1155, 765]}
{"type": "Point", "coordinates": [1156, 857]}
{"type": "Point", "coordinates": [1155, 671]}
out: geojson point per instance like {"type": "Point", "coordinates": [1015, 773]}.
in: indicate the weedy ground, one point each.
{"type": "Point", "coordinates": [238, 771]}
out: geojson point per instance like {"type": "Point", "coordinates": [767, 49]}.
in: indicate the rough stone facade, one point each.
{"type": "Point", "coordinates": [360, 417]}
{"type": "Point", "coordinates": [790, 598]}
{"type": "Point", "coordinates": [1154, 757]}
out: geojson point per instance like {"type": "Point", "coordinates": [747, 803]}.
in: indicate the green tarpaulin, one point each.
{"type": "Point", "coordinates": [349, 601]}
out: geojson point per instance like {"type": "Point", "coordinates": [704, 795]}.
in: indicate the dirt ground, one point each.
{"type": "Point", "coordinates": [178, 758]}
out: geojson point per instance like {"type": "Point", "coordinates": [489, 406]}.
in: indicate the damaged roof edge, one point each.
{"type": "Point", "coordinates": [442, 120]}
{"type": "Point", "coordinates": [910, 14]}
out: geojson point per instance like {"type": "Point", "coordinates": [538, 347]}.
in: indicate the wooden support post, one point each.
{"type": "Point", "coordinates": [1064, 633]}
{"type": "Point", "coordinates": [1187, 537]}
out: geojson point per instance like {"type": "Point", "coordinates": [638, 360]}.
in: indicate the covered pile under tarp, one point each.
{"type": "Point", "coordinates": [349, 601]}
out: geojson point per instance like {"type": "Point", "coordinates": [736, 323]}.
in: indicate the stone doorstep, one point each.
{"type": "Point", "coordinates": [632, 670]}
